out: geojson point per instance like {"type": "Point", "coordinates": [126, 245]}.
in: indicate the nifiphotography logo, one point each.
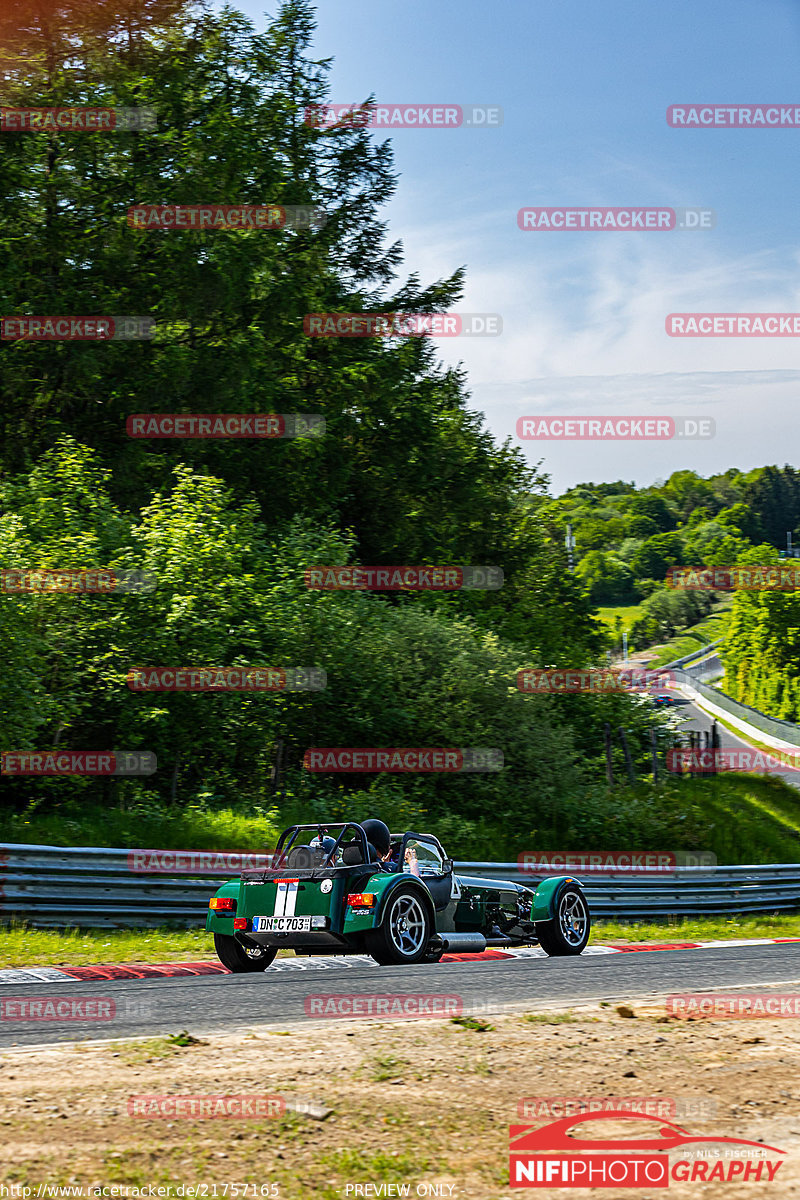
{"type": "Point", "coordinates": [548, 1156]}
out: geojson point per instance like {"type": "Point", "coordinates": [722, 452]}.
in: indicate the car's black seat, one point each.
{"type": "Point", "coordinates": [352, 854]}
{"type": "Point", "coordinates": [300, 858]}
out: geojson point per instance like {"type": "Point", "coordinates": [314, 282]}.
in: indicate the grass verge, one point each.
{"type": "Point", "coordinates": [627, 613]}
{"type": "Point", "coordinates": [711, 628]}
{"type": "Point", "coordinates": [699, 929]}
{"type": "Point", "coordinates": [197, 827]}
{"type": "Point", "coordinates": [23, 947]}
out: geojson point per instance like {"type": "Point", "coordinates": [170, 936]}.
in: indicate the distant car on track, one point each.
{"type": "Point", "coordinates": [328, 892]}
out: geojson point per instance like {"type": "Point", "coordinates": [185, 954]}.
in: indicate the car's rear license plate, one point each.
{"type": "Point", "coordinates": [281, 924]}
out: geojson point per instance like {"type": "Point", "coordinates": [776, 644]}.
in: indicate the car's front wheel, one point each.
{"type": "Point", "coordinates": [238, 958]}
{"type": "Point", "coordinates": [569, 931]}
{"type": "Point", "coordinates": [405, 929]}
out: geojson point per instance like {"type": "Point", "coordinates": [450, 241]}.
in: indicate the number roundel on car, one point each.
{"type": "Point", "coordinates": [326, 886]}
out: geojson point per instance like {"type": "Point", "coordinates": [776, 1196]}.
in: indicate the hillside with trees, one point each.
{"type": "Point", "coordinates": [406, 473]}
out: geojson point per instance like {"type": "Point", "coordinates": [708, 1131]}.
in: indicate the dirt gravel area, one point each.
{"type": "Point", "coordinates": [419, 1103]}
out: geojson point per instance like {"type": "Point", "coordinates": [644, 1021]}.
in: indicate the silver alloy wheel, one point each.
{"type": "Point", "coordinates": [572, 917]}
{"type": "Point", "coordinates": [407, 925]}
{"type": "Point", "coordinates": [254, 952]}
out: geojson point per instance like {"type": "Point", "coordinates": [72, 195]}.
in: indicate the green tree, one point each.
{"type": "Point", "coordinates": [404, 464]}
{"type": "Point", "coordinates": [657, 555]}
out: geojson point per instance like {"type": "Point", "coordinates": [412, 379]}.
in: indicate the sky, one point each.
{"type": "Point", "coordinates": [584, 88]}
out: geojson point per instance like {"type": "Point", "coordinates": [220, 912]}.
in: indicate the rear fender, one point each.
{"type": "Point", "coordinates": [384, 886]}
{"type": "Point", "coordinates": [396, 881]}
{"type": "Point", "coordinates": [223, 922]}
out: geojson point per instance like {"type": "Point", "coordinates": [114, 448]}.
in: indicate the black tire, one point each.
{"type": "Point", "coordinates": [237, 959]}
{"type": "Point", "coordinates": [569, 931]}
{"type": "Point", "coordinates": [433, 956]}
{"type": "Point", "coordinates": [405, 929]}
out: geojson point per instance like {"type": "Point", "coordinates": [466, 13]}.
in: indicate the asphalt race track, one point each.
{"type": "Point", "coordinates": [700, 720]}
{"type": "Point", "coordinates": [224, 1003]}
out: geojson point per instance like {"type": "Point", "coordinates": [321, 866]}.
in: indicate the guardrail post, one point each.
{"type": "Point", "coordinates": [609, 767]}
{"type": "Point", "coordinates": [627, 752]}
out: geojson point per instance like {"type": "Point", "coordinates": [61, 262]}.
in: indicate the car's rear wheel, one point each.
{"type": "Point", "coordinates": [405, 929]}
{"type": "Point", "coordinates": [569, 931]}
{"type": "Point", "coordinates": [238, 958]}
{"type": "Point", "coordinates": [433, 956]}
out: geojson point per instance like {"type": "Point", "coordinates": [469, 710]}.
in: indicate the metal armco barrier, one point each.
{"type": "Point", "coordinates": [55, 887]}
{"type": "Point", "coordinates": [700, 675]}
{"type": "Point", "coordinates": [786, 731]}
{"type": "Point", "coordinates": [688, 659]}
{"type": "Point", "coordinates": [688, 891]}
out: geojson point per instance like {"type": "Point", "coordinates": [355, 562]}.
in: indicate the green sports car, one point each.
{"type": "Point", "coordinates": [328, 891]}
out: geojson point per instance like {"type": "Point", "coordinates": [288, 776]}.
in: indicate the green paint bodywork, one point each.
{"type": "Point", "coordinates": [216, 923]}
{"type": "Point", "coordinates": [501, 911]}
{"type": "Point", "coordinates": [546, 898]}
{"type": "Point", "coordinates": [479, 899]}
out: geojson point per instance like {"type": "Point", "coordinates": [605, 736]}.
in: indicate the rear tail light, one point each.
{"type": "Point", "coordinates": [222, 904]}
{"type": "Point", "coordinates": [361, 899]}
{"type": "Point", "coordinates": [240, 922]}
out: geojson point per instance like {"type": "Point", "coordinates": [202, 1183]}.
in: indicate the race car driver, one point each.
{"type": "Point", "coordinates": [377, 833]}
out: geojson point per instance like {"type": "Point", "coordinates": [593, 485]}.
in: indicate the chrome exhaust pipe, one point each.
{"type": "Point", "coordinates": [463, 943]}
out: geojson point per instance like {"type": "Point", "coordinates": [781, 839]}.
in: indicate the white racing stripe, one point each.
{"type": "Point", "coordinates": [286, 897]}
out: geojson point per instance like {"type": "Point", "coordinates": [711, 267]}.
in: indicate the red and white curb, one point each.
{"type": "Point", "coordinates": [179, 970]}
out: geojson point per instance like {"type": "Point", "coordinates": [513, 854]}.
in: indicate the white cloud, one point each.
{"type": "Point", "coordinates": [584, 333]}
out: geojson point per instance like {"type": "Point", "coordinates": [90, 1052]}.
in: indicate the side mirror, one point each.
{"type": "Point", "coordinates": [447, 866]}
